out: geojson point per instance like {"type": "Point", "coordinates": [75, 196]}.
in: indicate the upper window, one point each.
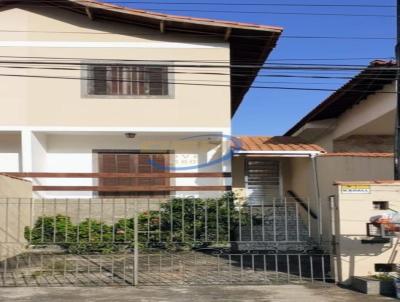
{"type": "Point", "coordinates": [127, 80]}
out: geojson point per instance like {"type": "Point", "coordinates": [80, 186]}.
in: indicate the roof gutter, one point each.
{"type": "Point", "coordinates": [279, 153]}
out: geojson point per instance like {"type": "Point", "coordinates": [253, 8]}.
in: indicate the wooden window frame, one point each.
{"type": "Point", "coordinates": [96, 164]}
{"type": "Point", "coordinates": [86, 74]}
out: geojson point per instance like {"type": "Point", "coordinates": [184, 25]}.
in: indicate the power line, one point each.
{"type": "Point", "coordinates": [169, 63]}
{"type": "Point", "coordinates": [196, 84]}
{"type": "Point", "coordinates": [244, 12]}
{"type": "Point", "coordinates": [239, 4]}
{"type": "Point", "coordinates": [198, 60]}
{"type": "Point", "coordinates": [205, 34]}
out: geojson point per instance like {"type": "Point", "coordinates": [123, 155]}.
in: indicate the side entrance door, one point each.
{"type": "Point", "coordinates": [263, 180]}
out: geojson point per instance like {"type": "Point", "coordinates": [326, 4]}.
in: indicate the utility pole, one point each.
{"type": "Point", "coordinates": [397, 132]}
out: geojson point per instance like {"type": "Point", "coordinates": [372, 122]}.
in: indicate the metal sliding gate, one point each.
{"type": "Point", "coordinates": [127, 242]}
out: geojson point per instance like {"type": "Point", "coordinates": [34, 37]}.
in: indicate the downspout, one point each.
{"type": "Point", "coordinates": [317, 195]}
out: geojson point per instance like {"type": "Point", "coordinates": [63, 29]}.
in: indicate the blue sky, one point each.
{"type": "Point", "coordinates": [272, 112]}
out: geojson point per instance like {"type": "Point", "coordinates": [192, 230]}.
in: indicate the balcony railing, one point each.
{"type": "Point", "coordinates": [123, 188]}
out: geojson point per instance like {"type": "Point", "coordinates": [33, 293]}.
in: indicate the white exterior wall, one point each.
{"type": "Point", "coordinates": [73, 152]}
{"type": "Point", "coordinates": [10, 151]}
{"type": "Point", "coordinates": [354, 211]}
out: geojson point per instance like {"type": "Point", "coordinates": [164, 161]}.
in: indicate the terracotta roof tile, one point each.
{"type": "Point", "coordinates": [276, 143]}
{"type": "Point", "coordinates": [169, 17]}
{"type": "Point", "coordinates": [358, 154]}
{"type": "Point", "coordinates": [368, 182]}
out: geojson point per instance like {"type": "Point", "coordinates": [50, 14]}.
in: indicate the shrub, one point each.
{"type": "Point", "coordinates": [180, 223]}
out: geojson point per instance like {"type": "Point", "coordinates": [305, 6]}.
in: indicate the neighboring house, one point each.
{"type": "Point", "coordinates": [349, 136]}
{"type": "Point", "coordinates": [356, 126]}
{"type": "Point", "coordinates": [108, 89]}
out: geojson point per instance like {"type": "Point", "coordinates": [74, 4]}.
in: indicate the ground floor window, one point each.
{"type": "Point", "coordinates": [133, 162]}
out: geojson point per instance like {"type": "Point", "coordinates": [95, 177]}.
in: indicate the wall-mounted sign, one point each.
{"type": "Point", "coordinates": [356, 189]}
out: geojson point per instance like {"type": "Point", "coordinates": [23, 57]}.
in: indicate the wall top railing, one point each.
{"type": "Point", "coordinates": [127, 176]}
{"type": "Point", "coordinates": [303, 204]}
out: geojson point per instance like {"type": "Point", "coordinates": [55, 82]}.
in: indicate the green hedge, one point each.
{"type": "Point", "coordinates": [180, 223]}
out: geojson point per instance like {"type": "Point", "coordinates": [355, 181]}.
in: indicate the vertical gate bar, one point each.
{"type": "Point", "coordinates": [159, 263]}
{"type": "Point", "coordinates": [54, 221]}
{"type": "Point", "coordinates": [41, 264]}
{"type": "Point", "coordinates": [125, 221]}
{"type": "Point", "coordinates": [159, 222]}
{"type": "Point", "coordinates": [5, 264]}
{"type": "Point", "coordinates": [251, 223]}
{"type": "Point", "coordinates": [240, 222]}
{"type": "Point", "coordinates": [124, 279]}
{"type": "Point", "coordinates": [172, 262]}
{"type": "Point", "coordinates": [19, 220]}
{"type": "Point", "coordinates": [42, 218]}
{"type": "Point", "coordinates": [90, 220]}
{"type": "Point", "coordinates": [112, 268]}
{"type": "Point", "coordinates": [297, 222]}
{"type": "Point", "coordinates": [218, 267]}
{"type": "Point", "coordinates": [65, 268]}
{"type": "Point", "coordinates": [195, 264]}
{"type": "Point", "coordinates": [323, 268]}
{"type": "Point", "coordinates": [136, 247]}
{"type": "Point", "coordinates": [229, 219]}
{"type": "Point", "coordinates": [194, 220]}
{"type": "Point", "coordinates": [6, 220]}
{"type": "Point", "coordinates": [286, 219]}
{"type": "Point", "coordinates": [252, 263]}
{"type": "Point", "coordinates": [217, 218]}
{"type": "Point", "coordinates": [78, 220]}
{"type": "Point", "coordinates": [274, 217]}
{"type": "Point", "coordinates": [67, 222]}
{"type": "Point", "coordinates": [206, 220]}
{"type": "Point", "coordinates": [312, 269]}
{"type": "Point", "coordinates": [148, 220]}
{"type": "Point", "coordinates": [300, 269]}
{"type": "Point", "coordinates": [171, 221]}
{"type": "Point", "coordinates": [288, 267]}
{"type": "Point", "coordinates": [183, 221]}
{"type": "Point", "coordinates": [262, 221]}
{"type": "Point", "coordinates": [30, 219]}
{"type": "Point", "coordinates": [113, 221]}
{"type": "Point", "coordinates": [53, 266]}
{"type": "Point", "coordinates": [309, 217]}
{"type": "Point", "coordinates": [265, 268]}
{"type": "Point", "coordinates": [230, 267]}
{"type": "Point", "coordinates": [101, 219]}
{"type": "Point", "coordinates": [276, 269]}
{"type": "Point", "coordinates": [241, 267]}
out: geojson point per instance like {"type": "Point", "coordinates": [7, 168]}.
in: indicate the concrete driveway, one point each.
{"type": "Point", "coordinates": [191, 293]}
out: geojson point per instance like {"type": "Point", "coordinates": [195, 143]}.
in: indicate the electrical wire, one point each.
{"type": "Point", "coordinates": [233, 11]}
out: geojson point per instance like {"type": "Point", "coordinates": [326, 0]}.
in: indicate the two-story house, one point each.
{"type": "Point", "coordinates": [89, 87]}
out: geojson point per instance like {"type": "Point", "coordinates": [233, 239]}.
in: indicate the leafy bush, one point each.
{"type": "Point", "coordinates": [180, 223]}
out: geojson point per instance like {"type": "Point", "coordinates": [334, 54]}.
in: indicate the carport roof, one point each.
{"type": "Point", "coordinates": [262, 144]}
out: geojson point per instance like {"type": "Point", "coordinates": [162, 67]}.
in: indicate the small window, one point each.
{"type": "Point", "coordinates": [127, 80]}
{"type": "Point", "coordinates": [381, 205]}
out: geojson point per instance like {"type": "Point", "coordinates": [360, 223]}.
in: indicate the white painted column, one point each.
{"type": "Point", "coordinates": [226, 149]}
{"type": "Point", "coordinates": [26, 150]}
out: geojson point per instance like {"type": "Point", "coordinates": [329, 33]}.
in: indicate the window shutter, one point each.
{"type": "Point", "coordinates": [98, 80]}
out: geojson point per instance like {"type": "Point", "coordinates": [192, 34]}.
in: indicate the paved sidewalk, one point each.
{"type": "Point", "coordinates": [293, 293]}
